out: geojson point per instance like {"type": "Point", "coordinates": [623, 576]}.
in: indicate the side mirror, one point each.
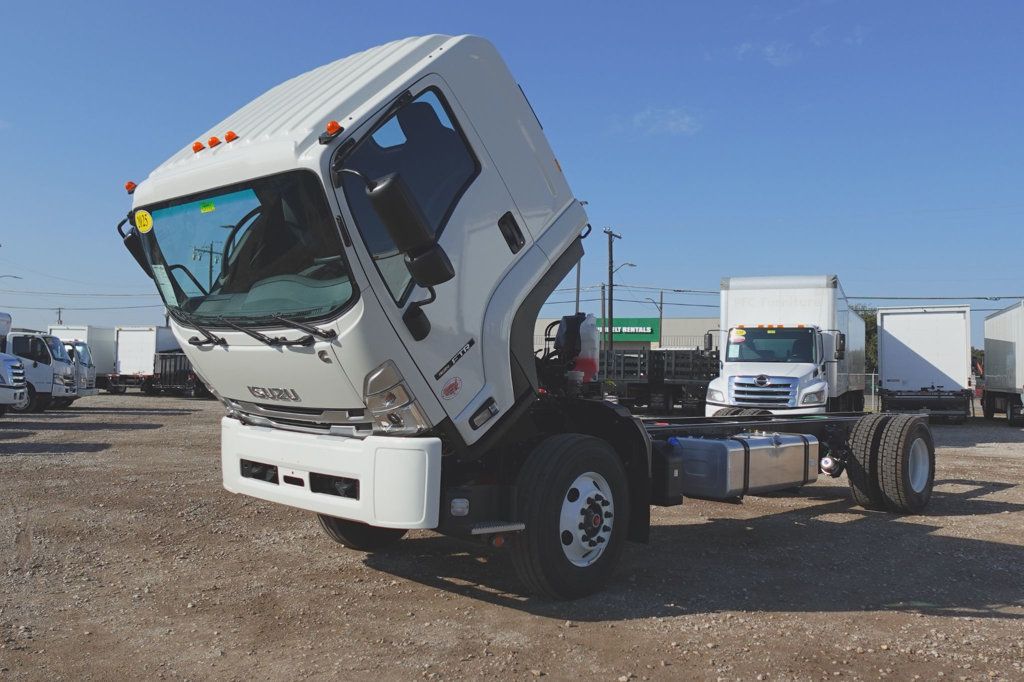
{"type": "Point", "coordinates": [709, 342]}
{"type": "Point", "coordinates": [403, 218]}
{"type": "Point", "coordinates": [840, 346]}
{"type": "Point", "coordinates": [133, 242]}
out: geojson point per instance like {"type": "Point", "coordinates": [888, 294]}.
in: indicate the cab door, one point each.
{"type": "Point", "coordinates": [430, 143]}
{"type": "Point", "coordinates": [35, 356]}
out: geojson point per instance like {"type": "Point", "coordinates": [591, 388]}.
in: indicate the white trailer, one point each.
{"type": "Point", "coordinates": [136, 349]}
{"type": "Point", "coordinates": [924, 360]}
{"type": "Point", "coordinates": [94, 352]}
{"type": "Point", "coordinates": [389, 226]}
{"type": "Point", "coordinates": [790, 345]}
{"type": "Point", "coordinates": [1004, 370]}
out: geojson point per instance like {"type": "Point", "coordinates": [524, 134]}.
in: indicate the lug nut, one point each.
{"type": "Point", "coordinates": [607, 529]}
{"type": "Point", "coordinates": [582, 527]}
{"type": "Point", "coordinates": [605, 503]}
{"type": "Point", "coordinates": [607, 515]}
{"type": "Point", "coordinates": [599, 539]}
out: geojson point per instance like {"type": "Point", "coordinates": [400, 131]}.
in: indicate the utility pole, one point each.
{"type": "Point", "coordinates": [600, 336]}
{"type": "Point", "coordinates": [212, 255]}
{"type": "Point", "coordinates": [578, 263]}
{"type": "Point", "coordinates": [612, 236]}
{"type": "Point", "coordinates": [59, 320]}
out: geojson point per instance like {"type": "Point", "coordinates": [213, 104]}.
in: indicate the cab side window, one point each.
{"type": "Point", "coordinates": [30, 348]}
{"type": "Point", "coordinates": [427, 149]}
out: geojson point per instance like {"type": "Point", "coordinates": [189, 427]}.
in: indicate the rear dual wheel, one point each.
{"type": "Point", "coordinates": [892, 463]}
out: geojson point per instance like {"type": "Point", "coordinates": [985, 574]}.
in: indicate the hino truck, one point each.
{"type": "Point", "coordinates": [924, 360]}
{"type": "Point", "coordinates": [13, 389]}
{"type": "Point", "coordinates": [92, 350]}
{"type": "Point", "coordinates": [1004, 375]}
{"type": "Point", "coordinates": [48, 371]}
{"type": "Point", "coordinates": [388, 227]}
{"type": "Point", "coordinates": [792, 345]}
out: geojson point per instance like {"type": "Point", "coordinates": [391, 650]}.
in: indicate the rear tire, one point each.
{"type": "Point", "coordinates": [574, 499]}
{"type": "Point", "coordinates": [360, 536]}
{"type": "Point", "coordinates": [862, 465]}
{"type": "Point", "coordinates": [906, 464]}
{"type": "Point", "coordinates": [988, 410]}
{"type": "Point", "coordinates": [117, 390]}
{"type": "Point", "coordinates": [1013, 417]}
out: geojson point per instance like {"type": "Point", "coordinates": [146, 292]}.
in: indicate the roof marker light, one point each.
{"type": "Point", "coordinates": [197, 146]}
{"type": "Point", "coordinates": [331, 131]}
{"type": "Point", "coordinates": [130, 187]}
{"type": "Point", "coordinates": [213, 141]}
{"type": "Point", "coordinates": [230, 136]}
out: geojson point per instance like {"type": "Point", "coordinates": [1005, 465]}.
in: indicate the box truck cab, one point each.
{"type": "Point", "coordinates": [85, 369]}
{"type": "Point", "coordinates": [13, 389]}
{"type": "Point", "coordinates": [49, 373]}
{"type": "Point", "coordinates": [791, 345]}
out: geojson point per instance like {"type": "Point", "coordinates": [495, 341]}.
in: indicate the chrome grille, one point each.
{"type": "Point", "coordinates": [352, 422]}
{"type": "Point", "coordinates": [763, 391]}
{"type": "Point", "coordinates": [16, 372]}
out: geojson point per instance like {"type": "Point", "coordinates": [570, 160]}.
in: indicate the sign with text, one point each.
{"type": "Point", "coordinates": [632, 328]}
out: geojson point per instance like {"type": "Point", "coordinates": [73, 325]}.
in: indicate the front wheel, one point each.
{"type": "Point", "coordinates": [360, 536]}
{"type": "Point", "coordinates": [33, 402]}
{"type": "Point", "coordinates": [574, 500]}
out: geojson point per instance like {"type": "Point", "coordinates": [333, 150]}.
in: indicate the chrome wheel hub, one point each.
{"type": "Point", "coordinates": [585, 523]}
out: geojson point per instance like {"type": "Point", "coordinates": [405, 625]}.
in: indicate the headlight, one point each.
{"type": "Point", "coordinates": [815, 398]}
{"type": "Point", "coordinates": [715, 396]}
{"type": "Point", "coordinates": [391, 403]}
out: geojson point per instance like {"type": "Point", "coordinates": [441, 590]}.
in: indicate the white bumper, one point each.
{"type": "Point", "coordinates": [12, 396]}
{"type": "Point", "coordinates": [709, 410]}
{"type": "Point", "coordinates": [63, 391]}
{"type": "Point", "coordinates": [399, 478]}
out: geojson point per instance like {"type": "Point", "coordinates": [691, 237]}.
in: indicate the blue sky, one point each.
{"type": "Point", "coordinates": [880, 141]}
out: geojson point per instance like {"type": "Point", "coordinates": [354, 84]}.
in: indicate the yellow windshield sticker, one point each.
{"type": "Point", "coordinates": [770, 331]}
{"type": "Point", "coordinates": [143, 221]}
{"type": "Point", "coordinates": [207, 207]}
{"type": "Point", "coordinates": [739, 332]}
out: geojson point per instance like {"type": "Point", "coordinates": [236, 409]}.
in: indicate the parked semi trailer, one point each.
{"type": "Point", "coordinates": [924, 360]}
{"type": "Point", "coordinates": [391, 224]}
{"type": "Point", "coordinates": [792, 345]}
{"type": "Point", "coordinates": [1004, 364]}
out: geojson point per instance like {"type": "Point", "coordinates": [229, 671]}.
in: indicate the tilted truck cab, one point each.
{"type": "Point", "coordinates": [354, 263]}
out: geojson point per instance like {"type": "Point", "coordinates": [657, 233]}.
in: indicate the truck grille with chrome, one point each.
{"type": "Point", "coordinates": [763, 391]}
{"type": "Point", "coordinates": [15, 375]}
{"type": "Point", "coordinates": [335, 422]}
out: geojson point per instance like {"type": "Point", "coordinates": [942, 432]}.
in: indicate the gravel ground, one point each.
{"type": "Point", "coordinates": [124, 558]}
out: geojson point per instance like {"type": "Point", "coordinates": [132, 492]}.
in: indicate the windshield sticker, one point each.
{"type": "Point", "coordinates": [163, 282]}
{"type": "Point", "coordinates": [739, 332]}
{"type": "Point", "coordinates": [143, 221]}
{"type": "Point", "coordinates": [207, 207]}
{"type": "Point", "coordinates": [770, 331]}
{"type": "Point", "coordinates": [737, 339]}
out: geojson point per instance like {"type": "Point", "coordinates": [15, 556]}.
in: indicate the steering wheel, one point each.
{"type": "Point", "coordinates": [229, 242]}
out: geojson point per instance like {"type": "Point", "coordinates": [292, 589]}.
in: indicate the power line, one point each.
{"type": "Point", "coordinates": [933, 298]}
{"type": "Point", "coordinates": [63, 307]}
{"type": "Point", "coordinates": [25, 292]}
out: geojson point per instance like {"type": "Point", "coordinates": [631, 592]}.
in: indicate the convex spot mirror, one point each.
{"type": "Point", "coordinates": [405, 221]}
{"type": "Point", "coordinates": [840, 346]}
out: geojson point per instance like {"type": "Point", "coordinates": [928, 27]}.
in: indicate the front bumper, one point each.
{"type": "Point", "coordinates": [399, 478]}
{"type": "Point", "coordinates": [13, 396]}
{"type": "Point", "coordinates": [711, 408]}
{"type": "Point", "coordinates": [64, 391]}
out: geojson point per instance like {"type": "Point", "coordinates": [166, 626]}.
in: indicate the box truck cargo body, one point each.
{"type": "Point", "coordinates": [93, 352]}
{"type": "Point", "coordinates": [136, 353]}
{"type": "Point", "coordinates": [1004, 372]}
{"type": "Point", "coordinates": [790, 345]}
{"type": "Point", "coordinates": [924, 359]}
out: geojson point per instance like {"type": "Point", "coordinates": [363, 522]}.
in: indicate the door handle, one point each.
{"type": "Point", "coordinates": [511, 232]}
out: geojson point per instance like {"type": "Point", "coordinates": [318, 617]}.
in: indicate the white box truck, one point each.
{"type": "Point", "coordinates": [924, 360]}
{"type": "Point", "coordinates": [790, 345]}
{"type": "Point", "coordinates": [13, 389]}
{"type": "Point", "coordinates": [48, 371]}
{"type": "Point", "coordinates": [390, 225]}
{"type": "Point", "coordinates": [136, 349]}
{"type": "Point", "coordinates": [1004, 369]}
{"type": "Point", "coordinates": [93, 351]}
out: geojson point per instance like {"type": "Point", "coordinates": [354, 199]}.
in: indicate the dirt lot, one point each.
{"type": "Point", "coordinates": [124, 558]}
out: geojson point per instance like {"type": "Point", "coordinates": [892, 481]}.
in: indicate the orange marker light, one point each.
{"type": "Point", "coordinates": [197, 146]}
{"type": "Point", "coordinates": [333, 127]}
{"type": "Point", "coordinates": [213, 141]}
{"type": "Point", "coordinates": [230, 136]}
{"type": "Point", "coordinates": [130, 187]}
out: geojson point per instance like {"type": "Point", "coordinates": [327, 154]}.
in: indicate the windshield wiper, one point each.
{"type": "Point", "coordinates": [273, 342]}
{"type": "Point", "coordinates": [208, 338]}
{"type": "Point", "coordinates": [326, 334]}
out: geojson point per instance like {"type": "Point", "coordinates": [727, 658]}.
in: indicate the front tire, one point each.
{"type": "Point", "coordinates": [360, 536]}
{"type": "Point", "coordinates": [574, 499]}
{"type": "Point", "coordinates": [33, 403]}
{"type": "Point", "coordinates": [728, 411]}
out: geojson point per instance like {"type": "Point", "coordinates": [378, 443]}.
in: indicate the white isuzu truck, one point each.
{"type": "Point", "coordinates": [1004, 373]}
{"type": "Point", "coordinates": [13, 389]}
{"type": "Point", "coordinates": [386, 229]}
{"type": "Point", "coordinates": [790, 345]}
{"type": "Point", "coordinates": [49, 373]}
{"type": "Point", "coordinates": [924, 360]}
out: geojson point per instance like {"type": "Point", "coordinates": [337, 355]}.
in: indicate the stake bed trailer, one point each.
{"type": "Point", "coordinates": [390, 225]}
{"type": "Point", "coordinates": [659, 379]}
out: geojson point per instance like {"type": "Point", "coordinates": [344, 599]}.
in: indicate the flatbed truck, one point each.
{"type": "Point", "coordinates": [389, 226]}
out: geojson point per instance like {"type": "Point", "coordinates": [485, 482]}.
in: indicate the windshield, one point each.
{"type": "Point", "coordinates": [247, 252]}
{"type": "Point", "coordinates": [771, 345]}
{"type": "Point", "coordinates": [56, 347]}
{"type": "Point", "coordinates": [82, 351]}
